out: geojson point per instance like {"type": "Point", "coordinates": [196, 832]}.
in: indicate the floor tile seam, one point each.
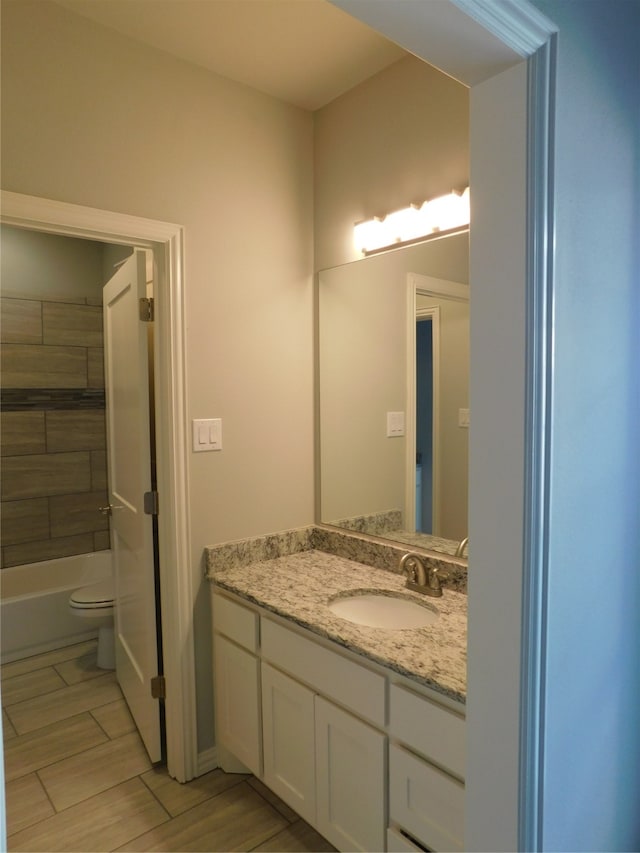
{"type": "Point", "coordinates": [65, 686]}
{"type": "Point", "coordinates": [13, 725]}
{"type": "Point", "coordinates": [55, 761]}
{"type": "Point", "coordinates": [74, 713]}
{"type": "Point", "coordinates": [276, 814]}
{"type": "Point", "coordinates": [275, 811]}
{"type": "Point", "coordinates": [155, 797]}
{"type": "Point", "coordinates": [80, 680]}
{"type": "Point", "coordinates": [125, 844]}
{"type": "Point", "coordinates": [4, 678]}
{"type": "Point", "coordinates": [36, 822]}
{"type": "Point", "coordinates": [99, 746]}
{"type": "Point", "coordinates": [195, 805]}
{"type": "Point", "coordinates": [40, 731]}
{"type": "Point", "coordinates": [99, 724]}
{"type": "Point", "coordinates": [274, 807]}
{"type": "Point", "coordinates": [160, 803]}
{"type": "Point", "coordinates": [271, 837]}
{"type": "Point", "coordinates": [56, 689]}
{"type": "Point", "coordinates": [100, 793]}
{"type": "Point", "coordinates": [44, 654]}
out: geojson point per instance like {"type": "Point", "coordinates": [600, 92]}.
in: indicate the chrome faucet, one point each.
{"type": "Point", "coordinates": [460, 549]}
{"type": "Point", "coordinates": [420, 578]}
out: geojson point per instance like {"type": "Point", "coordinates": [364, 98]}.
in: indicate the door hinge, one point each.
{"type": "Point", "coordinates": [151, 503]}
{"type": "Point", "coordinates": [146, 309]}
{"type": "Point", "coordinates": [158, 687]}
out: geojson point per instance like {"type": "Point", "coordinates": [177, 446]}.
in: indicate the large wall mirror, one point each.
{"type": "Point", "coordinates": [393, 347]}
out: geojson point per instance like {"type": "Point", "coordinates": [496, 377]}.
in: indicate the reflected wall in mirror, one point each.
{"type": "Point", "coordinates": [371, 318]}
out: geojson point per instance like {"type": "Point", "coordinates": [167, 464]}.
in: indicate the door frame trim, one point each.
{"type": "Point", "coordinates": [166, 240]}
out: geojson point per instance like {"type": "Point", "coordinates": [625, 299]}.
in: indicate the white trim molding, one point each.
{"type": "Point", "coordinates": [538, 420]}
{"type": "Point", "coordinates": [520, 26]}
{"type": "Point", "coordinates": [166, 240]}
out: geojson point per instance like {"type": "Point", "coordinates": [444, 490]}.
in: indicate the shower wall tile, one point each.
{"type": "Point", "coordinates": [45, 474]}
{"type": "Point", "coordinates": [24, 521]}
{"type": "Point", "coordinates": [75, 430]}
{"type": "Point", "coordinates": [60, 297]}
{"type": "Point", "coordinates": [48, 549]}
{"type": "Point", "coordinates": [74, 325]}
{"type": "Point", "coordinates": [101, 541]}
{"type": "Point", "coordinates": [99, 470]}
{"type": "Point", "coordinates": [22, 433]}
{"type": "Point", "coordinates": [74, 514]}
{"type": "Point", "coordinates": [21, 321]}
{"type": "Point", "coordinates": [53, 441]}
{"type": "Point", "coordinates": [35, 366]}
{"type": "Point", "coordinates": [95, 367]}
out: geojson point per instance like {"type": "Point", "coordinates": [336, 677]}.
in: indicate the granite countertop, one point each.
{"type": "Point", "coordinates": [299, 587]}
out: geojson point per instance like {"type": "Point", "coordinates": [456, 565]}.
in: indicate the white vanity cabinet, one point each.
{"type": "Point", "coordinates": [289, 741]}
{"type": "Point", "coordinates": [426, 772]}
{"type": "Point", "coordinates": [350, 765]}
{"type": "Point", "coordinates": [237, 693]}
{"type": "Point", "coordinates": [302, 682]}
{"type": "Point", "coordinates": [368, 761]}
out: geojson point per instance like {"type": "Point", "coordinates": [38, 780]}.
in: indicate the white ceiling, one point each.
{"type": "Point", "coordinates": [305, 52]}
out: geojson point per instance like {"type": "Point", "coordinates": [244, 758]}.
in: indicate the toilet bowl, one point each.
{"type": "Point", "coordinates": [95, 604]}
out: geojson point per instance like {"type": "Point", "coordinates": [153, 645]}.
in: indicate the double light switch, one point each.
{"type": "Point", "coordinates": [207, 434]}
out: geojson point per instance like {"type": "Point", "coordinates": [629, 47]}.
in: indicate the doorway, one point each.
{"type": "Point", "coordinates": [165, 241]}
{"type": "Point", "coordinates": [425, 421]}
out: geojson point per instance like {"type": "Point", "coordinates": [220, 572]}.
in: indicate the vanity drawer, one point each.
{"type": "Point", "coordinates": [327, 672]}
{"type": "Point", "coordinates": [433, 731]}
{"type": "Point", "coordinates": [399, 843]}
{"type": "Point", "coordinates": [236, 622]}
{"type": "Point", "coordinates": [425, 801]}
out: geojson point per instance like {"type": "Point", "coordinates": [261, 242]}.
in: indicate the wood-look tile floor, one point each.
{"type": "Point", "coordinates": [79, 779]}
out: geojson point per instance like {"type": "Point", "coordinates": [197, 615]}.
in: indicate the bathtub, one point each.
{"type": "Point", "coordinates": [34, 612]}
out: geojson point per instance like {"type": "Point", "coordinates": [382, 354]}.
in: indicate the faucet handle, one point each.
{"type": "Point", "coordinates": [412, 564]}
{"type": "Point", "coordinates": [435, 578]}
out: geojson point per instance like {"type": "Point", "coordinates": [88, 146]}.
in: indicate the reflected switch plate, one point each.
{"type": "Point", "coordinates": [395, 424]}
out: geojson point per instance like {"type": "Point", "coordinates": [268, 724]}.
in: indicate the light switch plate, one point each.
{"type": "Point", "coordinates": [463, 418]}
{"type": "Point", "coordinates": [206, 434]}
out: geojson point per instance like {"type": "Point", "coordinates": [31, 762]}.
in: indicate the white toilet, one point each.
{"type": "Point", "coordinates": [95, 604]}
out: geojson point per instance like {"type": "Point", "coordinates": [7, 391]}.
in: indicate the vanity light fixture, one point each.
{"type": "Point", "coordinates": [444, 213]}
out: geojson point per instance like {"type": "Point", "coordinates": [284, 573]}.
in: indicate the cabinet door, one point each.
{"type": "Point", "coordinates": [350, 779]}
{"type": "Point", "coordinates": [288, 741]}
{"type": "Point", "coordinates": [425, 801]}
{"type": "Point", "coordinates": [237, 702]}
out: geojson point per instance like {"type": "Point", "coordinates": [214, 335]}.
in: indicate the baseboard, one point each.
{"type": "Point", "coordinates": [207, 761]}
{"type": "Point", "coordinates": [48, 646]}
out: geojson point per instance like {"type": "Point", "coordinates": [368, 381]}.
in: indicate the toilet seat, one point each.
{"type": "Point", "coordinates": [98, 596]}
{"type": "Point", "coordinates": [94, 605]}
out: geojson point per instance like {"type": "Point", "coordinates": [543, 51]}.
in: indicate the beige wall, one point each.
{"type": "Point", "coordinates": [40, 264]}
{"type": "Point", "coordinates": [92, 118]}
{"type": "Point", "coordinates": [400, 137]}
{"type": "Point", "coordinates": [362, 371]}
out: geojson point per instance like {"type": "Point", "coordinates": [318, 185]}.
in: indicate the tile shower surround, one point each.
{"type": "Point", "coordinates": [54, 474]}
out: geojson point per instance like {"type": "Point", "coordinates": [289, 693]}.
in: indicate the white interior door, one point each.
{"type": "Point", "coordinates": [129, 466]}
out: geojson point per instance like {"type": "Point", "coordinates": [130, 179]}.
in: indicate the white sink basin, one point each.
{"type": "Point", "coordinates": [378, 610]}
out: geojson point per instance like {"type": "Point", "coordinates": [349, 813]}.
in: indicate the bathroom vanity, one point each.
{"type": "Point", "coordinates": [361, 730]}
